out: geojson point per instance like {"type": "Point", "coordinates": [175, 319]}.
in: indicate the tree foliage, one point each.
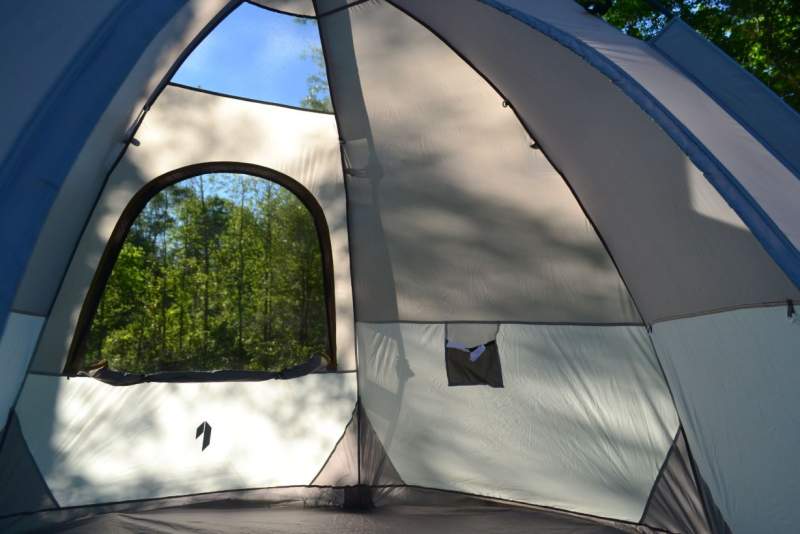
{"type": "Point", "coordinates": [762, 35]}
{"type": "Point", "coordinates": [318, 97]}
{"type": "Point", "coordinates": [217, 272]}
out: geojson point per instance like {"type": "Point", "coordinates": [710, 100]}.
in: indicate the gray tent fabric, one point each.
{"type": "Point", "coordinates": [376, 467]}
{"type": "Point", "coordinates": [766, 115]}
{"type": "Point", "coordinates": [84, 518]}
{"type": "Point", "coordinates": [444, 233]}
{"type": "Point", "coordinates": [679, 246]}
{"type": "Point", "coordinates": [358, 459]}
{"type": "Point", "coordinates": [22, 488]}
{"type": "Point", "coordinates": [676, 502]}
{"type": "Point", "coordinates": [317, 511]}
{"type": "Point", "coordinates": [396, 520]}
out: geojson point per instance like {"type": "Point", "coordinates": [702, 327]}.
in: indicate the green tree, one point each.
{"type": "Point", "coordinates": [318, 96]}
{"type": "Point", "coordinates": [217, 272]}
{"type": "Point", "coordinates": [762, 35]}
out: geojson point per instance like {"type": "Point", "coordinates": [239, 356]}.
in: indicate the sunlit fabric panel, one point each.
{"type": "Point", "coordinates": [766, 115]}
{"type": "Point", "coordinates": [455, 214]}
{"type": "Point", "coordinates": [773, 186]}
{"type": "Point", "coordinates": [584, 413]}
{"type": "Point", "coordinates": [735, 380]}
{"type": "Point", "coordinates": [187, 127]}
{"type": "Point", "coordinates": [17, 343]}
{"type": "Point", "coordinates": [679, 245]}
{"type": "Point", "coordinates": [303, 8]}
{"type": "Point", "coordinates": [97, 443]}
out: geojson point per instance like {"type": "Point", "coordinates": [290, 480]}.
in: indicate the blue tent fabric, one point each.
{"type": "Point", "coordinates": [45, 149]}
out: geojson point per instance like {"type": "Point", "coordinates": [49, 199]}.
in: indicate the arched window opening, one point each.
{"type": "Point", "coordinates": [216, 272]}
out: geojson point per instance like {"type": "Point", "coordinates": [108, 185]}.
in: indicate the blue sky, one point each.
{"type": "Point", "coordinates": [255, 53]}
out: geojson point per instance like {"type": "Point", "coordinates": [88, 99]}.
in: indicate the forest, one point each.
{"type": "Point", "coordinates": [219, 271]}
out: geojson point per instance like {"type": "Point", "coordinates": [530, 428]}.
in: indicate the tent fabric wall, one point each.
{"type": "Point", "coordinates": [441, 231]}
{"type": "Point", "coordinates": [97, 443]}
{"type": "Point", "coordinates": [97, 64]}
{"type": "Point", "coordinates": [676, 503]}
{"type": "Point", "coordinates": [678, 244]}
{"type": "Point", "coordinates": [766, 116]}
{"type": "Point", "coordinates": [186, 127]}
{"type": "Point", "coordinates": [23, 488]}
{"type": "Point", "coordinates": [300, 8]}
{"type": "Point", "coordinates": [739, 166]}
{"type": "Point", "coordinates": [734, 376]}
{"type": "Point", "coordinates": [81, 186]}
{"type": "Point", "coordinates": [584, 413]}
{"type": "Point", "coordinates": [16, 348]}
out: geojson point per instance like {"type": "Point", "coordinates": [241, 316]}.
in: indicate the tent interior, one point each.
{"type": "Point", "coordinates": [502, 269]}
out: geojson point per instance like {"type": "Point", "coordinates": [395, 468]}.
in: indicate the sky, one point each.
{"type": "Point", "coordinates": [255, 53]}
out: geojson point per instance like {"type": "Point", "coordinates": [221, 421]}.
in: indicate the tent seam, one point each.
{"type": "Point", "coordinates": [529, 130]}
{"type": "Point", "coordinates": [725, 107]}
{"type": "Point", "coordinates": [661, 471]}
{"type": "Point", "coordinates": [761, 225]}
{"type": "Point", "coordinates": [324, 50]}
{"type": "Point", "coordinates": [279, 11]}
{"type": "Point", "coordinates": [247, 99]}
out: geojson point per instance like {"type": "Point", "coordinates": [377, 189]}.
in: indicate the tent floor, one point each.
{"type": "Point", "coordinates": [316, 510]}
{"type": "Point", "coordinates": [390, 520]}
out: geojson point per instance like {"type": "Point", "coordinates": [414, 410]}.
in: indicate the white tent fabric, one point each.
{"type": "Point", "coordinates": [489, 162]}
{"type": "Point", "coordinates": [734, 378]}
{"type": "Point", "coordinates": [584, 412]}
{"type": "Point", "coordinates": [302, 8]}
{"type": "Point", "coordinates": [99, 443]}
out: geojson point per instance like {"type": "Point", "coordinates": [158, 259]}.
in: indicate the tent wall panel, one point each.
{"type": "Point", "coordinates": [86, 176]}
{"type": "Point", "coordinates": [767, 117]}
{"type": "Point", "coordinates": [676, 503]}
{"type": "Point", "coordinates": [98, 443]}
{"type": "Point", "coordinates": [740, 167]}
{"type": "Point", "coordinates": [187, 127]}
{"type": "Point", "coordinates": [659, 215]}
{"type": "Point", "coordinates": [584, 413]}
{"type": "Point", "coordinates": [302, 8]}
{"type": "Point", "coordinates": [734, 376]}
{"type": "Point", "coordinates": [114, 58]}
{"type": "Point", "coordinates": [59, 31]}
{"type": "Point", "coordinates": [454, 216]}
{"type": "Point", "coordinates": [17, 344]}
{"type": "Point", "coordinates": [761, 173]}
{"type": "Point", "coordinates": [23, 488]}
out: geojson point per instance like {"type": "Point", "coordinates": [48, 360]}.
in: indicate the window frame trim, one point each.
{"type": "Point", "coordinates": [135, 206]}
